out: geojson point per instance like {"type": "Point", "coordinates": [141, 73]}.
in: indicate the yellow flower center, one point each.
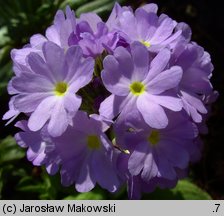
{"type": "Point", "coordinates": [60, 88]}
{"type": "Point", "coordinates": [154, 138]}
{"type": "Point", "coordinates": [137, 88]}
{"type": "Point", "coordinates": [145, 43]}
{"type": "Point", "coordinates": [93, 142]}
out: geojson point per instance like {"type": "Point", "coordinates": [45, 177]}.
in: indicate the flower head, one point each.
{"type": "Point", "coordinates": [83, 152]}
{"type": "Point", "coordinates": [138, 83]}
{"type": "Point", "coordinates": [58, 33]}
{"type": "Point", "coordinates": [47, 90]}
{"type": "Point", "coordinates": [195, 83]}
{"type": "Point", "coordinates": [149, 83]}
{"type": "Point", "coordinates": [152, 31]}
{"type": "Point", "coordinates": [156, 156]}
{"type": "Point", "coordinates": [93, 35]}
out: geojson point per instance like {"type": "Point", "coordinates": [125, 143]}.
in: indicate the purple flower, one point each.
{"type": "Point", "coordinates": [40, 147]}
{"type": "Point", "coordinates": [146, 27]}
{"type": "Point", "coordinates": [153, 96]}
{"type": "Point", "coordinates": [83, 152]}
{"type": "Point", "coordinates": [186, 33]}
{"type": "Point", "coordinates": [93, 36]}
{"type": "Point", "coordinates": [115, 14]}
{"type": "Point", "coordinates": [62, 28]}
{"type": "Point", "coordinates": [58, 33]}
{"type": "Point", "coordinates": [139, 84]}
{"type": "Point", "coordinates": [37, 148]}
{"type": "Point", "coordinates": [155, 155]}
{"type": "Point", "coordinates": [195, 83]}
{"type": "Point", "coordinates": [117, 11]}
{"type": "Point", "coordinates": [47, 91]}
{"type": "Point", "coordinates": [12, 113]}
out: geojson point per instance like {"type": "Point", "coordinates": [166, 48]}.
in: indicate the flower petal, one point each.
{"type": "Point", "coordinates": [53, 35]}
{"type": "Point", "coordinates": [150, 8]}
{"type": "Point", "coordinates": [37, 41]}
{"type": "Point", "coordinates": [72, 102]}
{"type": "Point", "coordinates": [104, 171]}
{"type": "Point", "coordinates": [158, 64]}
{"type": "Point", "coordinates": [92, 19]}
{"type": "Point", "coordinates": [82, 75]}
{"type": "Point", "coordinates": [150, 168]}
{"type": "Point", "coordinates": [113, 78]}
{"type": "Point", "coordinates": [140, 57]}
{"type": "Point", "coordinates": [164, 30]}
{"type": "Point", "coordinates": [108, 108]}
{"type": "Point", "coordinates": [19, 55]}
{"type": "Point", "coordinates": [166, 80]}
{"type": "Point", "coordinates": [195, 102]}
{"type": "Point", "coordinates": [86, 180]}
{"type": "Point", "coordinates": [31, 83]}
{"type": "Point", "coordinates": [172, 103]}
{"type": "Point", "coordinates": [146, 24]}
{"type": "Point", "coordinates": [175, 153]}
{"type": "Point", "coordinates": [127, 18]}
{"type": "Point", "coordinates": [153, 114]}
{"type": "Point", "coordinates": [42, 113]}
{"type": "Point", "coordinates": [165, 170]}
{"type": "Point", "coordinates": [58, 121]}
{"type": "Point", "coordinates": [29, 102]}
{"type": "Point", "coordinates": [191, 111]}
{"type": "Point", "coordinates": [125, 62]}
{"type": "Point", "coordinates": [73, 57]}
{"type": "Point", "coordinates": [55, 59]}
{"type": "Point", "coordinates": [137, 158]}
{"type": "Point", "coordinates": [197, 81]}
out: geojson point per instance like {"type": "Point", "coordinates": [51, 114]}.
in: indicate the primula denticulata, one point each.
{"type": "Point", "coordinates": [112, 103]}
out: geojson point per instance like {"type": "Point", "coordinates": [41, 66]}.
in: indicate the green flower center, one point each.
{"type": "Point", "coordinates": [60, 88]}
{"type": "Point", "coordinates": [145, 43]}
{"type": "Point", "coordinates": [93, 142]}
{"type": "Point", "coordinates": [154, 138]}
{"type": "Point", "coordinates": [137, 88]}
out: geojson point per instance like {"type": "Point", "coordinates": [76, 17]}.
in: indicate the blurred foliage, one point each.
{"type": "Point", "coordinates": [185, 190]}
{"type": "Point", "coordinates": [92, 195]}
{"type": "Point", "coordinates": [23, 18]}
{"type": "Point", "coordinates": [9, 151]}
{"type": "Point", "coordinates": [20, 19]}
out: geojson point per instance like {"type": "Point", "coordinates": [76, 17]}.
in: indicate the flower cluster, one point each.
{"type": "Point", "coordinates": [112, 103]}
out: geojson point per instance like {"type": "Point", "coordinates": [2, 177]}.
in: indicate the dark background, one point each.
{"type": "Point", "coordinates": [206, 18]}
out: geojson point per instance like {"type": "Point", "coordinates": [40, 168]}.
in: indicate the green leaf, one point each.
{"type": "Point", "coordinates": [5, 75]}
{"type": "Point", "coordinates": [10, 174]}
{"type": "Point", "coordinates": [5, 55]}
{"type": "Point", "coordinates": [24, 18]}
{"type": "Point", "coordinates": [9, 150]}
{"type": "Point", "coordinates": [86, 196]}
{"type": "Point", "coordinates": [73, 3]}
{"type": "Point", "coordinates": [32, 188]}
{"type": "Point", "coordinates": [101, 7]}
{"type": "Point", "coordinates": [1, 183]}
{"type": "Point", "coordinates": [90, 6]}
{"type": "Point", "coordinates": [190, 191]}
{"type": "Point", "coordinates": [44, 187]}
{"type": "Point", "coordinates": [185, 190]}
{"type": "Point", "coordinates": [106, 8]}
{"type": "Point", "coordinates": [4, 39]}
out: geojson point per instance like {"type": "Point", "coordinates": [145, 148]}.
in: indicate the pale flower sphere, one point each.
{"type": "Point", "coordinates": [121, 102]}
